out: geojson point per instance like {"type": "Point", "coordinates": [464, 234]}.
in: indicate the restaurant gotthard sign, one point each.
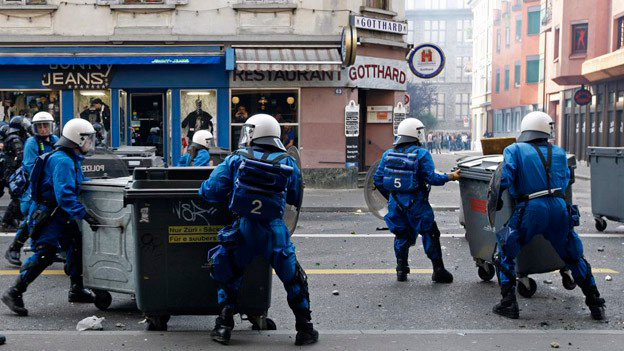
{"type": "Point", "coordinates": [78, 77]}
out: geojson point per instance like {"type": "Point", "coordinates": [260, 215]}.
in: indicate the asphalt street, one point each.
{"type": "Point", "coordinates": [356, 301]}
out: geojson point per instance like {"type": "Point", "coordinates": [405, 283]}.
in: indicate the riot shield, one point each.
{"type": "Point", "coordinates": [494, 193]}
{"type": "Point", "coordinates": [291, 213]}
{"type": "Point", "coordinates": [102, 163]}
{"type": "Point", "coordinates": [376, 202]}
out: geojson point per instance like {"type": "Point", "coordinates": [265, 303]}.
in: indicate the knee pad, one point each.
{"type": "Point", "coordinates": [221, 265]}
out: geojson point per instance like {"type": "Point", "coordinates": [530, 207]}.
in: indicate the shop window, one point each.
{"type": "Point", "coordinates": [24, 2]}
{"type": "Point", "coordinates": [94, 106]}
{"type": "Point", "coordinates": [580, 37]}
{"type": "Point", "coordinates": [27, 103]}
{"type": "Point", "coordinates": [281, 104]}
{"type": "Point", "coordinates": [533, 27]}
{"type": "Point", "coordinates": [620, 32]}
{"type": "Point", "coordinates": [198, 111]}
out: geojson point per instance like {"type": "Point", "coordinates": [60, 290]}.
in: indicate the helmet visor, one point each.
{"type": "Point", "coordinates": [43, 128]}
{"type": "Point", "coordinates": [246, 135]}
{"type": "Point", "coordinates": [88, 143]}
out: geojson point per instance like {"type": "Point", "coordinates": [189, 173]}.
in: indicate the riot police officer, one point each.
{"type": "Point", "coordinates": [537, 175]}
{"type": "Point", "coordinates": [260, 229]}
{"type": "Point", "coordinates": [403, 176]}
{"type": "Point", "coordinates": [14, 151]}
{"type": "Point", "coordinates": [55, 181]}
{"type": "Point", "coordinates": [40, 143]}
{"type": "Point", "coordinates": [198, 152]}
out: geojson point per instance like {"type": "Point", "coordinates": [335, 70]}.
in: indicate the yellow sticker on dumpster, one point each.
{"type": "Point", "coordinates": [193, 234]}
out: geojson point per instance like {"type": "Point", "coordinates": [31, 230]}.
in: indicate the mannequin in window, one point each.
{"type": "Point", "coordinates": [197, 120]}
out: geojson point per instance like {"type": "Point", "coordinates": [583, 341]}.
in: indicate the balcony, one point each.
{"type": "Point", "coordinates": [546, 15]}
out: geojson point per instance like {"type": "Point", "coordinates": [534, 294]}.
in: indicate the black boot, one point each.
{"type": "Point", "coordinates": [12, 254]}
{"type": "Point", "coordinates": [305, 329]}
{"type": "Point", "coordinates": [224, 324]}
{"type": "Point", "coordinates": [508, 306]}
{"type": "Point", "coordinates": [595, 303]}
{"type": "Point", "coordinates": [440, 274]}
{"type": "Point", "coordinates": [13, 298]}
{"type": "Point", "coordinates": [78, 293]}
{"type": "Point", "coordinates": [402, 270]}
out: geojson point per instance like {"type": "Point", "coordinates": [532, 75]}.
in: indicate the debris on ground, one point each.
{"type": "Point", "coordinates": [90, 323]}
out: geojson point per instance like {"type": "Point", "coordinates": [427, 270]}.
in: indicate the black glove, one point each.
{"type": "Point", "coordinates": [499, 204]}
{"type": "Point", "coordinates": [92, 220]}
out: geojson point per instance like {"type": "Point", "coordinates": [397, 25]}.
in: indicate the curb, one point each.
{"type": "Point", "coordinates": [579, 176]}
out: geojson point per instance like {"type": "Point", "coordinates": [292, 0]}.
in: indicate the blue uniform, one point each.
{"type": "Point", "coordinates": [270, 239]}
{"type": "Point", "coordinates": [59, 185]}
{"type": "Point", "coordinates": [524, 173]}
{"type": "Point", "coordinates": [410, 213]}
{"type": "Point", "coordinates": [33, 148]}
{"type": "Point", "coordinates": [202, 159]}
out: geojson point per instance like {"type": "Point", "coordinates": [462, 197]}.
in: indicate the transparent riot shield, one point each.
{"type": "Point", "coordinates": [291, 213]}
{"type": "Point", "coordinates": [376, 202]}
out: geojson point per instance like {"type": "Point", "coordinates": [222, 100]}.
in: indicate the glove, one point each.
{"type": "Point", "coordinates": [499, 204]}
{"type": "Point", "coordinates": [454, 175]}
{"type": "Point", "coordinates": [92, 220]}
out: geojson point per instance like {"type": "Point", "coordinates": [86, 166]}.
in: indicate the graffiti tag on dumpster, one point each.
{"type": "Point", "coordinates": [191, 212]}
{"type": "Point", "coordinates": [478, 206]}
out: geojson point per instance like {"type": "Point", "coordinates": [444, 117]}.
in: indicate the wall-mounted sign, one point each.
{"type": "Point", "coordinates": [379, 114]}
{"type": "Point", "coordinates": [348, 45]}
{"type": "Point", "coordinates": [398, 116]}
{"type": "Point", "coordinates": [379, 24]}
{"type": "Point", "coordinates": [367, 72]}
{"type": "Point", "coordinates": [426, 61]}
{"type": "Point", "coordinates": [78, 77]}
{"type": "Point", "coordinates": [583, 97]}
{"type": "Point", "coordinates": [352, 132]}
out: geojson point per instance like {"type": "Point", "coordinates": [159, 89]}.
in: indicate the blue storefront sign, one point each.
{"type": "Point", "coordinates": [146, 87]}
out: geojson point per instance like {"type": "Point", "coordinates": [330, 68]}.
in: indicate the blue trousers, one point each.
{"type": "Point", "coordinates": [407, 223]}
{"type": "Point", "coordinates": [549, 217]}
{"type": "Point", "coordinates": [249, 239]}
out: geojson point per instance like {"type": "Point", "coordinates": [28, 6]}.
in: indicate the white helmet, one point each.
{"type": "Point", "coordinates": [43, 119]}
{"type": "Point", "coordinates": [261, 129]}
{"type": "Point", "coordinates": [203, 138]}
{"type": "Point", "coordinates": [78, 133]}
{"type": "Point", "coordinates": [409, 131]}
{"type": "Point", "coordinates": [536, 125]}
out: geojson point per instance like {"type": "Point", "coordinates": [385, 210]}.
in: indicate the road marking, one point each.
{"type": "Point", "coordinates": [316, 271]}
{"type": "Point", "coordinates": [449, 235]}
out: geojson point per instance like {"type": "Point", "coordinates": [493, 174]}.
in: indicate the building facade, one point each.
{"type": "Point", "coordinates": [154, 71]}
{"type": "Point", "coordinates": [482, 33]}
{"type": "Point", "coordinates": [517, 67]}
{"type": "Point", "coordinates": [447, 23]}
{"type": "Point", "coordinates": [583, 48]}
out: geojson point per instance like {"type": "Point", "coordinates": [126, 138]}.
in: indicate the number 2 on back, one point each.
{"type": "Point", "coordinates": [258, 204]}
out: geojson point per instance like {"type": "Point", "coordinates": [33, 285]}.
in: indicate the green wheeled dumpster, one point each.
{"type": "Point", "coordinates": [607, 190]}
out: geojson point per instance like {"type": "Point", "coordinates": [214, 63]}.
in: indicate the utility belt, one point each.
{"type": "Point", "coordinates": [550, 193]}
{"type": "Point", "coordinates": [41, 217]}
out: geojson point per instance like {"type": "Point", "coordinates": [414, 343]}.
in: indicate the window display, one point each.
{"type": "Point", "coordinates": [281, 104]}
{"type": "Point", "coordinates": [198, 112]}
{"type": "Point", "coordinates": [27, 103]}
{"type": "Point", "coordinates": [94, 106]}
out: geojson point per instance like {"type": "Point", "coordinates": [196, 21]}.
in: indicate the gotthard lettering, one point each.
{"type": "Point", "coordinates": [377, 71]}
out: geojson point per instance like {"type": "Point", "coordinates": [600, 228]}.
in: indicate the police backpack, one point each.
{"type": "Point", "coordinates": [400, 172]}
{"type": "Point", "coordinates": [18, 182]}
{"type": "Point", "coordinates": [260, 188]}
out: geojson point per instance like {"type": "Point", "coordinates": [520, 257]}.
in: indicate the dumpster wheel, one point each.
{"type": "Point", "coordinates": [157, 323]}
{"type": "Point", "coordinates": [567, 280]}
{"type": "Point", "coordinates": [486, 272]}
{"type": "Point", "coordinates": [262, 323]}
{"type": "Point", "coordinates": [103, 299]}
{"type": "Point", "coordinates": [601, 224]}
{"type": "Point", "coordinates": [525, 291]}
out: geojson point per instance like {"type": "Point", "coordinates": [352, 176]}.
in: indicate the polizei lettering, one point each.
{"type": "Point", "coordinates": [93, 168]}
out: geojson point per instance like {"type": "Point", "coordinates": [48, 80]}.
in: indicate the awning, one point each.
{"type": "Point", "coordinates": [288, 59]}
{"type": "Point", "coordinates": [115, 55]}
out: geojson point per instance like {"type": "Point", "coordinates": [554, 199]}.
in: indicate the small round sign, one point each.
{"type": "Point", "coordinates": [426, 61]}
{"type": "Point", "coordinates": [348, 45]}
{"type": "Point", "coordinates": [583, 97]}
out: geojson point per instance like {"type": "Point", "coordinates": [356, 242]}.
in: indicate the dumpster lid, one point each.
{"type": "Point", "coordinates": [113, 182]}
{"type": "Point", "coordinates": [606, 151]}
{"type": "Point", "coordinates": [489, 162]}
{"type": "Point", "coordinates": [135, 150]}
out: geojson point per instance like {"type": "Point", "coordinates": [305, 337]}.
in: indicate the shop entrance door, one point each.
{"type": "Point", "coordinates": [147, 120]}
